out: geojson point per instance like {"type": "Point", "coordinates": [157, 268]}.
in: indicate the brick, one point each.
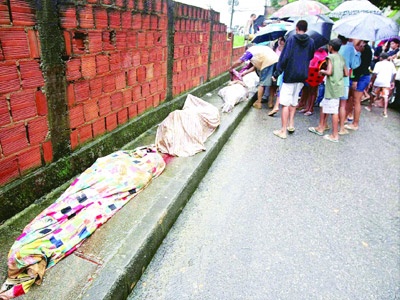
{"type": "Point", "coordinates": [34, 44]}
{"type": "Point", "coordinates": [120, 41]}
{"type": "Point", "coordinates": [9, 78]}
{"type": "Point", "coordinates": [95, 42]}
{"type": "Point", "coordinates": [82, 91]}
{"type": "Point", "coordinates": [127, 97]}
{"type": "Point", "coordinates": [4, 15]}
{"type": "Point", "coordinates": [131, 39]}
{"type": "Point", "coordinates": [85, 133]}
{"type": "Point", "coordinates": [108, 84]}
{"type": "Point", "coordinates": [8, 169]}
{"type": "Point", "coordinates": [88, 67]}
{"type": "Point", "coordinates": [73, 71]}
{"type": "Point", "coordinates": [68, 17]}
{"type": "Point", "coordinates": [122, 116]}
{"type": "Point", "coordinates": [149, 72]}
{"type": "Point", "coordinates": [149, 39]}
{"type": "Point", "coordinates": [115, 61]}
{"type": "Point", "coordinates": [120, 3]}
{"type": "Point", "coordinates": [13, 139]}
{"type": "Point", "coordinates": [114, 19]}
{"type": "Point", "coordinates": [68, 43]}
{"type": "Point", "coordinates": [85, 17]}
{"type": "Point", "coordinates": [104, 104]}
{"type": "Point", "coordinates": [37, 130]}
{"type": "Point", "coordinates": [141, 74]}
{"type": "Point", "coordinates": [146, 22]}
{"type": "Point", "coordinates": [29, 159]}
{"type": "Point", "coordinates": [141, 106]}
{"type": "Point", "coordinates": [126, 59]}
{"type": "Point", "coordinates": [131, 77]}
{"type": "Point", "coordinates": [47, 148]}
{"type": "Point", "coordinates": [70, 95]}
{"type": "Point", "coordinates": [149, 102]}
{"type": "Point", "coordinates": [91, 110]}
{"type": "Point", "coordinates": [102, 63]}
{"type": "Point", "coordinates": [100, 18]}
{"type": "Point", "coordinates": [74, 139]}
{"type": "Point", "coordinates": [156, 100]}
{"type": "Point", "coordinates": [145, 90]}
{"type": "Point", "coordinates": [153, 87]}
{"type": "Point", "coordinates": [96, 87]}
{"type": "Point", "coordinates": [108, 42]}
{"type": "Point", "coordinates": [116, 101]}
{"type": "Point", "coordinates": [161, 84]}
{"type": "Point", "coordinates": [154, 22]}
{"type": "Point", "coordinates": [141, 40]}
{"type": "Point", "coordinates": [5, 117]}
{"type": "Point", "coordinates": [132, 110]}
{"type": "Point", "coordinates": [120, 81]}
{"type": "Point", "coordinates": [126, 20]}
{"type": "Point", "coordinates": [31, 74]}
{"type": "Point", "coordinates": [76, 116]}
{"type": "Point", "coordinates": [99, 127]}
{"type": "Point", "coordinates": [136, 21]}
{"type": "Point", "coordinates": [22, 13]}
{"type": "Point", "coordinates": [23, 105]}
{"type": "Point", "coordinates": [136, 59]}
{"type": "Point", "coordinates": [14, 44]}
{"type": "Point", "coordinates": [136, 93]}
{"type": "Point", "coordinates": [111, 122]}
{"type": "Point", "coordinates": [144, 57]}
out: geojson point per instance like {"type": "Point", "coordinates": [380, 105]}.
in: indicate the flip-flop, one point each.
{"type": "Point", "coordinates": [344, 132]}
{"type": "Point", "coordinates": [291, 129]}
{"type": "Point", "coordinates": [257, 105]}
{"type": "Point", "coordinates": [308, 113]}
{"type": "Point", "coordinates": [314, 130]}
{"type": "Point", "coordinates": [272, 113]}
{"type": "Point", "coordinates": [279, 134]}
{"type": "Point", "coordinates": [350, 127]}
{"type": "Point", "coordinates": [331, 139]}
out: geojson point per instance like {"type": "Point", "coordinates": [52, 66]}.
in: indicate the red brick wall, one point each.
{"type": "Point", "coordinates": [116, 69]}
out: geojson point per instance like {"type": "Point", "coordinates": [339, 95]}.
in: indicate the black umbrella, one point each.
{"type": "Point", "coordinates": [272, 32]}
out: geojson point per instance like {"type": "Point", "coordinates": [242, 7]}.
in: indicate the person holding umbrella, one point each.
{"type": "Point", "coordinates": [294, 61]}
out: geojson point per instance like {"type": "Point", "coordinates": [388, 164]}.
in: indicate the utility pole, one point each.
{"type": "Point", "coordinates": [266, 9]}
{"type": "Point", "coordinates": [233, 3]}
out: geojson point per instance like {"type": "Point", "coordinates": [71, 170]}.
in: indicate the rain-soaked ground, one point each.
{"type": "Point", "coordinates": [302, 218]}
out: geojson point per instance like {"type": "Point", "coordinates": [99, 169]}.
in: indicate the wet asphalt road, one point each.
{"type": "Point", "coordinates": [301, 218]}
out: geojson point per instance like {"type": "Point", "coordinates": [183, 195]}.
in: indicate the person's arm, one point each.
{"type": "Point", "coordinates": [345, 71]}
{"type": "Point", "coordinates": [282, 62]}
{"type": "Point", "coordinates": [235, 64]}
{"type": "Point", "coordinates": [372, 81]}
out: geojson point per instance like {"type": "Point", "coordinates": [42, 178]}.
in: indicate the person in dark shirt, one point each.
{"type": "Point", "coordinates": [294, 62]}
{"type": "Point", "coordinates": [359, 82]}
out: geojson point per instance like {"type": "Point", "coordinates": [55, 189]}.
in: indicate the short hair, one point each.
{"type": "Point", "coordinates": [395, 41]}
{"type": "Point", "coordinates": [252, 15]}
{"type": "Point", "coordinates": [343, 39]}
{"type": "Point", "coordinates": [302, 25]}
{"type": "Point", "coordinates": [384, 55]}
{"type": "Point", "coordinates": [335, 44]}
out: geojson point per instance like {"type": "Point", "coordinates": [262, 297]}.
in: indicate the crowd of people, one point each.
{"type": "Point", "coordinates": [336, 77]}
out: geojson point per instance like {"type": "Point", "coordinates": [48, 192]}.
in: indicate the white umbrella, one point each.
{"type": "Point", "coordinates": [367, 27]}
{"type": "Point", "coordinates": [301, 8]}
{"type": "Point", "coordinates": [354, 7]}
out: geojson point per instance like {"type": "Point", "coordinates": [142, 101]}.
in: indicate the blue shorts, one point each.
{"type": "Point", "coordinates": [266, 76]}
{"type": "Point", "coordinates": [362, 83]}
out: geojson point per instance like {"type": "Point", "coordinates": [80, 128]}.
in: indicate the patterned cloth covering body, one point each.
{"type": "Point", "coordinates": [93, 198]}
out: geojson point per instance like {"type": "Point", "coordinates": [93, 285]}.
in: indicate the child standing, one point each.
{"type": "Point", "coordinates": [334, 89]}
{"type": "Point", "coordinates": [382, 81]}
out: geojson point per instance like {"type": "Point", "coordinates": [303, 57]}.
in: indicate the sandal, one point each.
{"type": "Point", "coordinates": [279, 134]}
{"type": "Point", "coordinates": [291, 129]}
{"type": "Point", "coordinates": [257, 105]}
{"type": "Point", "coordinates": [314, 130]}
{"type": "Point", "coordinates": [350, 127]}
{"type": "Point", "coordinates": [308, 113]}
{"type": "Point", "coordinates": [331, 139]}
{"type": "Point", "coordinates": [272, 112]}
{"type": "Point", "coordinates": [343, 132]}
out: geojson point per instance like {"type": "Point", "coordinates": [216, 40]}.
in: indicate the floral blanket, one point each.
{"type": "Point", "coordinates": [93, 198]}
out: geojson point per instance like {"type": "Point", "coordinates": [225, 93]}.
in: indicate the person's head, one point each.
{"type": "Point", "coordinates": [394, 44]}
{"type": "Point", "coordinates": [301, 25]}
{"type": "Point", "coordinates": [383, 56]}
{"type": "Point", "coordinates": [249, 45]}
{"type": "Point", "coordinates": [359, 45]}
{"type": "Point", "coordinates": [281, 41]}
{"type": "Point", "coordinates": [334, 45]}
{"type": "Point", "coordinates": [343, 39]}
{"type": "Point", "coordinates": [253, 16]}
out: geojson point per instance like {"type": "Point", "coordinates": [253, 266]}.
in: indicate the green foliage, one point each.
{"type": "Point", "coordinates": [394, 4]}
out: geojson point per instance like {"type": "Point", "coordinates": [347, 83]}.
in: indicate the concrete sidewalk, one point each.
{"type": "Point", "coordinates": [111, 261]}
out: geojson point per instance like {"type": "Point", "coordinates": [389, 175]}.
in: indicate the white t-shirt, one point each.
{"type": "Point", "coordinates": [384, 71]}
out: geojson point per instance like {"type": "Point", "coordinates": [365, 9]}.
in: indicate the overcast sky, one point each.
{"type": "Point", "coordinates": [241, 14]}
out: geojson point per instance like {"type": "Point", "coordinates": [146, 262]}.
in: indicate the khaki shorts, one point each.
{"type": "Point", "coordinates": [289, 93]}
{"type": "Point", "coordinates": [330, 106]}
{"type": "Point", "coordinates": [381, 91]}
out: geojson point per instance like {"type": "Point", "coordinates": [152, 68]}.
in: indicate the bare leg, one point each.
{"type": "Point", "coordinates": [342, 116]}
{"type": "Point", "coordinates": [292, 112]}
{"type": "Point", "coordinates": [284, 119]}
{"type": "Point", "coordinates": [357, 108]}
{"type": "Point", "coordinates": [385, 105]}
{"type": "Point", "coordinates": [260, 93]}
{"type": "Point", "coordinates": [335, 133]}
{"type": "Point", "coordinates": [272, 92]}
